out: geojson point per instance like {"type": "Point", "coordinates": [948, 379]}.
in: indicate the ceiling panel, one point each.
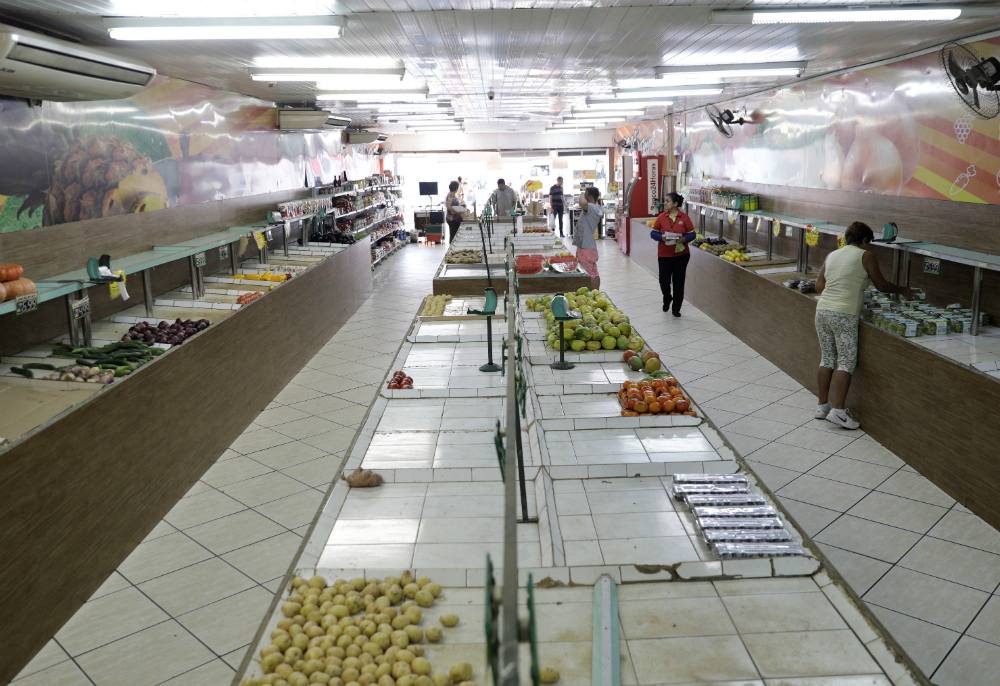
{"type": "Point", "coordinates": [540, 57]}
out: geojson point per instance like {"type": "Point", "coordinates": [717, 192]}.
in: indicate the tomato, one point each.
{"type": "Point", "coordinates": [641, 407]}
{"type": "Point", "coordinates": [681, 405]}
{"type": "Point", "coordinates": [393, 385]}
{"type": "Point", "coordinates": [407, 386]}
{"type": "Point", "coordinates": [655, 407]}
{"type": "Point", "coordinates": [628, 384]}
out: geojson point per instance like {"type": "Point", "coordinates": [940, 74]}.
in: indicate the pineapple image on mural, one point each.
{"type": "Point", "coordinates": [102, 176]}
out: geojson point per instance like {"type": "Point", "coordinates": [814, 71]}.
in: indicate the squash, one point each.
{"type": "Point", "coordinates": [19, 287]}
{"type": "Point", "coordinates": [3, 293]}
{"type": "Point", "coordinates": [10, 271]}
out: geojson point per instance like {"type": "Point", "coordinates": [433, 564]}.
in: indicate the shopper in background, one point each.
{"type": "Point", "coordinates": [556, 202]}
{"type": "Point", "coordinates": [673, 230]}
{"type": "Point", "coordinates": [841, 284]}
{"type": "Point", "coordinates": [455, 210]}
{"type": "Point", "coordinates": [583, 236]}
{"type": "Point", "coordinates": [461, 191]}
{"type": "Point", "coordinates": [503, 199]}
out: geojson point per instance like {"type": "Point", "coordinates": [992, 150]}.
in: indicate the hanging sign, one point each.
{"type": "Point", "coordinates": [258, 236]}
{"type": "Point", "coordinates": [117, 288]}
{"type": "Point", "coordinates": [776, 227]}
{"type": "Point", "coordinates": [81, 308]}
{"type": "Point", "coordinates": [26, 303]}
{"type": "Point", "coordinates": [652, 185]}
{"type": "Point", "coordinates": [223, 252]}
{"type": "Point", "coordinates": [199, 260]}
{"type": "Point", "coordinates": [760, 220]}
{"type": "Point", "coordinates": [841, 241]}
{"type": "Point", "coordinates": [812, 235]}
{"type": "Point", "coordinates": [932, 265]}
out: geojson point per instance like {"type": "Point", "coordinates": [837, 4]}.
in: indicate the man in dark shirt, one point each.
{"type": "Point", "coordinates": [556, 202]}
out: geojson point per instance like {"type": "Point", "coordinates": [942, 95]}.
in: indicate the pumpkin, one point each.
{"type": "Point", "coordinates": [3, 293]}
{"type": "Point", "coordinates": [10, 271]}
{"type": "Point", "coordinates": [19, 287]}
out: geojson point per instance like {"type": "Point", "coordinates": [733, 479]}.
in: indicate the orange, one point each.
{"type": "Point", "coordinates": [655, 407]}
{"type": "Point", "coordinates": [674, 391]}
{"type": "Point", "coordinates": [681, 405]}
{"type": "Point", "coordinates": [641, 407]}
{"type": "Point", "coordinates": [667, 405]}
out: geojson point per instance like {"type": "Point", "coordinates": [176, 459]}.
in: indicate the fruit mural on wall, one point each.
{"type": "Point", "coordinates": [175, 143]}
{"type": "Point", "coordinates": [898, 129]}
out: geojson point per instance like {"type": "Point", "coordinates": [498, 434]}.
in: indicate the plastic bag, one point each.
{"type": "Point", "coordinates": [552, 222]}
{"type": "Point", "coordinates": [520, 224]}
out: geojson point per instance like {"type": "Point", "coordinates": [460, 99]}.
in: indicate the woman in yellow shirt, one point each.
{"type": "Point", "coordinates": [841, 284]}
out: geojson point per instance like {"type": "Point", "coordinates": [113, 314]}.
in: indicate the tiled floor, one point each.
{"type": "Point", "coordinates": [928, 568]}
{"type": "Point", "coordinates": [189, 599]}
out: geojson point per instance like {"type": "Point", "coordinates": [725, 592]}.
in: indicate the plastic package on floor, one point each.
{"type": "Point", "coordinates": [735, 512]}
{"type": "Point", "coordinates": [741, 499]}
{"type": "Point", "coordinates": [745, 536]}
{"type": "Point", "coordinates": [710, 479]}
{"type": "Point", "coordinates": [733, 551]}
{"type": "Point", "coordinates": [679, 491]}
{"type": "Point", "coordinates": [755, 524]}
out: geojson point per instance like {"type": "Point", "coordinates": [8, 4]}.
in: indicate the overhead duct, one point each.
{"type": "Point", "coordinates": [307, 119]}
{"type": "Point", "coordinates": [363, 137]}
{"type": "Point", "coordinates": [41, 68]}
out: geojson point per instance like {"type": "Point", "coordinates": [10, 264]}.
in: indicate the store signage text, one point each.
{"type": "Point", "coordinates": [26, 303]}
{"type": "Point", "coordinates": [652, 185]}
{"type": "Point", "coordinates": [932, 265]}
{"type": "Point", "coordinates": [81, 308]}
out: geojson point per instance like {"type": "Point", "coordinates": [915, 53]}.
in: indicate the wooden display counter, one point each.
{"type": "Point", "coordinates": [80, 492]}
{"type": "Point", "coordinates": [937, 415]}
{"type": "Point", "coordinates": [642, 248]}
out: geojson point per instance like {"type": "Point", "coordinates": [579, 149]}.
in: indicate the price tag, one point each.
{"type": "Point", "coordinates": [26, 303]}
{"type": "Point", "coordinates": [223, 252]}
{"type": "Point", "coordinates": [269, 234]}
{"type": "Point", "coordinates": [776, 227]}
{"type": "Point", "coordinates": [81, 308]}
{"type": "Point", "coordinates": [760, 220]}
{"type": "Point", "coordinates": [932, 265]}
{"type": "Point", "coordinates": [258, 236]}
{"type": "Point", "coordinates": [199, 260]}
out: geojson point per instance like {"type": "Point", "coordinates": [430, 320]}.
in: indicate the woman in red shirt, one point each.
{"type": "Point", "coordinates": [673, 231]}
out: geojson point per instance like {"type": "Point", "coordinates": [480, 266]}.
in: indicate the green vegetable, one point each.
{"type": "Point", "coordinates": [157, 351]}
{"type": "Point", "coordinates": [108, 366]}
{"type": "Point", "coordinates": [83, 361]}
{"type": "Point", "coordinates": [123, 371]}
{"type": "Point", "coordinates": [23, 372]}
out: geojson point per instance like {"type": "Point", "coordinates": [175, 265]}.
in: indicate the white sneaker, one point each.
{"type": "Point", "coordinates": [842, 418]}
{"type": "Point", "coordinates": [822, 410]}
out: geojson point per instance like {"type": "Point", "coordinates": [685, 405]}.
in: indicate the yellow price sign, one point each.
{"type": "Point", "coordinates": [776, 228]}
{"type": "Point", "coordinates": [841, 241]}
{"type": "Point", "coordinates": [812, 235]}
{"type": "Point", "coordinates": [760, 220]}
{"type": "Point", "coordinates": [258, 236]}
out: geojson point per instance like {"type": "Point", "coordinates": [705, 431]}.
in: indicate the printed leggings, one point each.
{"type": "Point", "coordinates": [838, 340]}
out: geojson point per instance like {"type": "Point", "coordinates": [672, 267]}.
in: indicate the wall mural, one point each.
{"type": "Point", "coordinates": [175, 143]}
{"type": "Point", "coordinates": [912, 128]}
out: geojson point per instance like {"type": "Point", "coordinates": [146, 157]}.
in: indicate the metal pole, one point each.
{"type": "Point", "coordinates": [194, 277]}
{"type": "Point", "coordinates": [147, 289]}
{"type": "Point", "coordinates": [74, 330]}
{"type": "Point", "coordinates": [509, 638]}
{"type": "Point", "coordinates": [234, 261]}
{"type": "Point", "coordinates": [977, 282]}
{"type": "Point", "coordinates": [770, 239]}
{"type": "Point", "coordinates": [304, 232]}
{"type": "Point", "coordinates": [287, 231]}
{"type": "Point", "coordinates": [895, 266]}
{"type": "Point", "coordinates": [88, 334]}
{"type": "Point", "coordinates": [904, 277]}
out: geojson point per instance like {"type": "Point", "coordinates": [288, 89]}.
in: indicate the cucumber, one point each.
{"type": "Point", "coordinates": [23, 372]}
{"type": "Point", "coordinates": [122, 371]}
{"type": "Point", "coordinates": [38, 365]}
{"type": "Point", "coordinates": [108, 366]}
{"type": "Point", "coordinates": [139, 345]}
{"type": "Point", "coordinates": [84, 362]}
{"type": "Point", "coordinates": [157, 351]}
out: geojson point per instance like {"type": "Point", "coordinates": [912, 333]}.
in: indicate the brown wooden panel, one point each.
{"type": "Point", "coordinates": [937, 415]}
{"type": "Point", "coordinates": [80, 492]}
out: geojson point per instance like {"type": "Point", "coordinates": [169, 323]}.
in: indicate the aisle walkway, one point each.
{"type": "Point", "coordinates": [183, 607]}
{"type": "Point", "coordinates": [927, 567]}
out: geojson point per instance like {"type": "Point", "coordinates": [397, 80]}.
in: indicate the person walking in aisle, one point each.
{"type": "Point", "coordinates": [841, 285]}
{"type": "Point", "coordinates": [673, 230]}
{"type": "Point", "coordinates": [556, 202]}
{"type": "Point", "coordinates": [502, 200]}
{"type": "Point", "coordinates": [454, 209]}
{"type": "Point", "coordinates": [583, 235]}
{"type": "Point", "coordinates": [461, 191]}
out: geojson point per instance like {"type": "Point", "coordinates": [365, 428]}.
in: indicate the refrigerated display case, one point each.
{"type": "Point", "coordinates": [641, 194]}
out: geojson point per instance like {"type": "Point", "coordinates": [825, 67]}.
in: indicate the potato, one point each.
{"type": "Point", "coordinates": [461, 671]}
{"type": "Point", "coordinates": [339, 611]}
{"type": "Point", "coordinates": [352, 631]}
{"type": "Point", "coordinates": [312, 666]}
{"type": "Point", "coordinates": [407, 680]}
{"type": "Point", "coordinates": [416, 650]}
{"type": "Point", "coordinates": [406, 578]}
{"type": "Point", "coordinates": [394, 594]}
{"type": "Point", "coordinates": [314, 654]}
{"type": "Point", "coordinates": [414, 613]}
{"type": "Point", "coordinates": [407, 605]}
{"type": "Point", "coordinates": [421, 665]}
{"type": "Point", "coordinates": [366, 659]}
{"type": "Point", "coordinates": [386, 680]}
{"type": "Point", "coordinates": [371, 589]}
{"type": "Point", "coordinates": [391, 612]}
{"type": "Point", "coordinates": [335, 631]}
{"type": "Point", "coordinates": [424, 598]}
{"type": "Point", "coordinates": [415, 633]}
{"type": "Point", "coordinates": [326, 597]}
{"type": "Point", "coordinates": [290, 609]}
{"type": "Point", "coordinates": [339, 599]}
{"type": "Point", "coordinates": [360, 641]}
{"type": "Point", "coordinates": [400, 669]}
{"type": "Point", "coordinates": [432, 588]}
{"type": "Point", "coordinates": [317, 582]}
{"type": "Point", "coordinates": [405, 656]}
{"type": "Point", "coordinates": [399, 638]}
{"type": "Point", "coordinates": [319, 678]}
{"type": "Point", "coordinates": [467, 683]}
{"type": "Point", "coordinates": [282, 642]}
{"type": "Point", "coordinates": [368, 627]}
{"type": "Point", "coordinates": [333, 670]}
{"type": "Point", "coordinates": [423, 680]}
{"type": "Point", "coordinates": [366, 679]}
{"type": "Point", "coordinates": [382, 602]}
{"type": "Point", "coordinates": [391, 580]}
{"type": "Point", "coordinates": [345, 641]}
{"type": "Point", "coordinates": [346, 622]}
{"type": "Point", "coordinates": [298, 679]}
{"type": "Point", "coordinates": [283, 671]}
{"type": "Point", "coordinates": [293, 655]}
{"type": "Point", "coordinates": [382, 588]}
{"type": "Point", "coordinates": [315, 631]}
{"type": "Point", "coordinates": [301, 641]}
{"type": "Point", "coordinates": [358, 583]}
{"type": "Point", "coordinates": [401, 622]}
{"type": "Point", "coordinates": [549, 675]}
{"type": "Point", "coordinates": [381, 639]}
{"type": "Point", "coordinates": [441, 679]}
{"type": "Point", "coordinates": [386, 629]}
{"type": "Point", "coordinates": [267, 650]}
{"type": "Point", "coordinates": [337, 652]}
{"type": "Point", "coordinates": [372, 648]}
{"type": "Point", "coordinates": [299, 581]}
{"type": "Point", "coordinates": [382, 669]}
{"type": "Point", "coordinates": [297, 597]}
{"type": "Point", "coordinates": [267, 679]}
{"type": "Point", "coordinates": [369, 667]}
{"type": "Point", "coordinates": [336, 681]}
{"type": "Point", "coordinates": [410, 590]}
{"type": "Point", "coordinates": [449, 620]}
{"type": "Point", "coordinates": [286, 624]}
{"type": "Point", "coordinates": [350, 674]}
{"type": "Point", "coordinates": [270, 662]}
{"type": "Point", "coordinates": [433, 634]}
{"type": "Point", "coordinates": [356, 603]}
{"type": "Point", "coordinates": [353, 650]}
{"type": "Point", "coordinates": [299, 619]}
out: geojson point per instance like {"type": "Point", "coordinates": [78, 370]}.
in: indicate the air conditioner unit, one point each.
{"type": "Point", "coordinates": [41, 68]}
{"type": "Point", "coordinates": [362, 137]}
{"type": "Point", "coordinates": [299, 119]}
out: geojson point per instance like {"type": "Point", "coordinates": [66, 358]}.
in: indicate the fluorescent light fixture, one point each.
{"type": "Point", "coordinates": [620, 114]}
{"type": "Point", "coordinates": [581, 129]}
{"type": "Point", "coordinates": [404, 108]}
{"type": "Point", "coordinates": [388, 95]}
{"type": "Point", "coordinates": [653, 91]}
{"type": "Point", "coordinates": [625, 104]}
{"type": "Point", "coordinates": [218, 28]}
{"type": "Point", "coordinates": [372, 76]}
{"type": "Point", "coordinates": [836, 16]}
{"type": "Point", "coordinates": [730, 71]}
{"type": "Point", "coordinates": [430, 128]}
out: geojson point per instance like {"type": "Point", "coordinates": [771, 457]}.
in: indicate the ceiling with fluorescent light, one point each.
{"type": "Point", "coordinates": [541, 60]}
